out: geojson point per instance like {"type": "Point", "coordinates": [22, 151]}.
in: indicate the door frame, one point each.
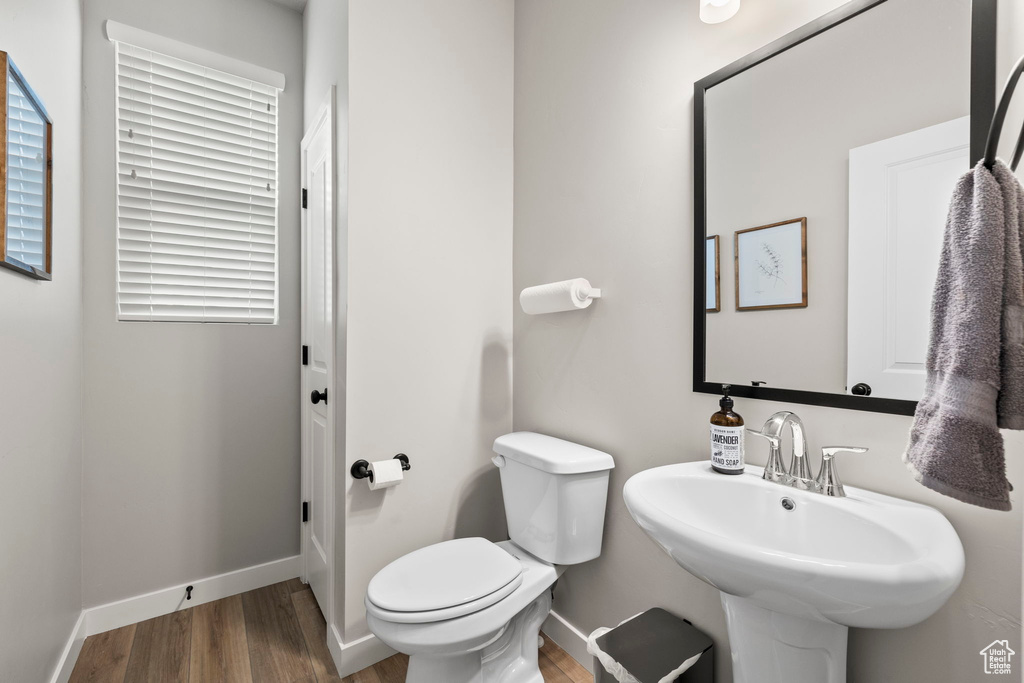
{"type": "Point", "coordinates": [325, 116]}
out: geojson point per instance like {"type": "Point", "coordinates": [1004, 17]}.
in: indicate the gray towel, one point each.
{"type": "Point", "coordinates": [975, 364]}
{"type": "Point", "coordinates": [1011, 390]}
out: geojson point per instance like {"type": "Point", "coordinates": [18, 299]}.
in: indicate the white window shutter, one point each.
{"type": "Point", "coordinates": [26, 177]}
{"type": "Point", "coordinates": [196, 192]}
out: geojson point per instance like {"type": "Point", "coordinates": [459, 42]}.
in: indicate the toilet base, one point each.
{"type": "Point", "coordinates": [510, 657]}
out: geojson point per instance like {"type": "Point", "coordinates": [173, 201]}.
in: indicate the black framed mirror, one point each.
{"type": "Point", "coordinates": [824, 163]}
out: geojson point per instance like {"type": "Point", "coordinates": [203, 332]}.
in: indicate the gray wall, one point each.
{"type": "Point", "coordinates": [192, 430]}
{"type": "Point", "coordinates": [424, 263]}
{"type": "Point", "coordinates": [1009, 48]}
{"type": "Point", "coordinates": [603, 190]}
{"type": "Point", "coordinates": [429, 275]}
{"type": "Point", "coordinates": [41, 370]}
{"type": "Point", "coordinates": [779, 138]}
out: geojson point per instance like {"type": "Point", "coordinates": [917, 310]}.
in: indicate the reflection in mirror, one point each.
{"type": "Point", "coordinates": [713, 275]}
{"type": "Point", "coordinates": [25, 232]}
{"type": "Point", "coordinates": [860, 130]}
{"type": "Point", "coordinates": [771, 266]}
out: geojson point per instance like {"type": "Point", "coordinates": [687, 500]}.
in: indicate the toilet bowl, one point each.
{"type": "Point", "coordinates": [469, 610]}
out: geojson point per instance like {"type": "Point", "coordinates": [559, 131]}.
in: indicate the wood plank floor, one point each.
{"type": "Point", "coordinates": [555, 665]}
{"type": "Point", "coordinates": [274, 634]}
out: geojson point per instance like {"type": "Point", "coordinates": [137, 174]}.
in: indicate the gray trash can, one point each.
{"type": "Point", "coordinates": [652, 645]}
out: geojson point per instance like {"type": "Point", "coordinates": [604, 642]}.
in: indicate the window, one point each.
{"type": "Point", "coordinates": [26, 179]}
{"type": "Point", "coordinates": [196, 192]}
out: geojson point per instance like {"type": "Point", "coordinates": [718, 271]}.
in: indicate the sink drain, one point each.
{"type": "Point", "coordinates": [788, 504]}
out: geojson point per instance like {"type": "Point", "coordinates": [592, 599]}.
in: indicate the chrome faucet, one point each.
{"type": "Point", "coordinates": [798, 474]}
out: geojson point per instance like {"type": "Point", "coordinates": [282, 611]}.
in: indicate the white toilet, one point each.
{"type": "Point", "coordinates": [469, 610]}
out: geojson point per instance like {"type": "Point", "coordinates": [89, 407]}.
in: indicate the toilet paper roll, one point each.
{"type": "Point", "coordinates": [567, 295]}
{"type": "Point", "coordinates": [386, 473]}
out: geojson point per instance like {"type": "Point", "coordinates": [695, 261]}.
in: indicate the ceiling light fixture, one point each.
{"type": "Point", "coordinates": [717, 11]}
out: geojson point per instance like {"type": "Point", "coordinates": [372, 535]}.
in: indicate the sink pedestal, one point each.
{"type": "Point", "coordinates": [774, 647]}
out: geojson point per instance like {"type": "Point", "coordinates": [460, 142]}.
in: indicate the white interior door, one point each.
{"type": "Point", "coordinates": [317, 397]}
{"type": "Point", "coordinates": [899, 196]}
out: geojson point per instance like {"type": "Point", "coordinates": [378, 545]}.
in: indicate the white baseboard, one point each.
{"type": "Point", "coordinates": [348, 657]}
{"type": "Point", "coordinates": [66, 663]}
{"type": "Point", "coordinates": [569, 639]}
{"type": "Point", "coordinates": [334, 646]}
{"type": "Point", "coordinates": [357, 655]}
{"type": "Point", "coordinates": [141, 607]}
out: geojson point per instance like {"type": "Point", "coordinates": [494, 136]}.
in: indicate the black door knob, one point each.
{"type": "Point", "coordinates": [317, 396]}
{"type": "Point", "coordinates": [861, 389]}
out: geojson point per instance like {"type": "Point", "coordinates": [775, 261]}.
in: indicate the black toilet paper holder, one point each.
{"type": "Point", "coordinates": [361, 468]}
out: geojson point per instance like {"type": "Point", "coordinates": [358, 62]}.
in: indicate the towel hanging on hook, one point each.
{"type": "Point", "coordinates": [992, 142]}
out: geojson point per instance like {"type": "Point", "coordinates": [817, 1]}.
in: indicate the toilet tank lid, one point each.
{"type": "Point", "coordinates": [549, 454]}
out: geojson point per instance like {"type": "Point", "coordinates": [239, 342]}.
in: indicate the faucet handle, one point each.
{"type": "Point", "coordinates": [828, 478]}
{"type": "Point", "coordinates": [829, 451]}
{"type": "Point", "coordinates": [775, 468]}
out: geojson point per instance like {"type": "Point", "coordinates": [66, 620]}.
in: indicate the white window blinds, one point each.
{"type": "Point", "coordinates": [26, 177]}
{"type": "Point", "coordinates": [196, 192]}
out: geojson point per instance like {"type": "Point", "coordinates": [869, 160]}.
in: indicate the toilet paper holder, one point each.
{"type": "Point", "coordinates": [361, 468]}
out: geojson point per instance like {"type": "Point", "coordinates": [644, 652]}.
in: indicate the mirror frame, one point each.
{"type": "Point", "coordinates": [982, 108]}
{"type": "Point", "coordinates": [7, 67]}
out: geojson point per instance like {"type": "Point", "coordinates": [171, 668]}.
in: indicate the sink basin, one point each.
{"type": "Point", "coordinates": [795, 568]}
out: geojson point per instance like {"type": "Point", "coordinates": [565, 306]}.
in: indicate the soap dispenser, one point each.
{"type": "Point", "coordinates": [727, 453]}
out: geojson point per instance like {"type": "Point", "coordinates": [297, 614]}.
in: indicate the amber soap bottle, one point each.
{"type": "Point", "coordinates": [727, 454]}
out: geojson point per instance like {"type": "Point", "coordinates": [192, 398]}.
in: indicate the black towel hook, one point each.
{"type": "Point", "coordinates": [992, 142]}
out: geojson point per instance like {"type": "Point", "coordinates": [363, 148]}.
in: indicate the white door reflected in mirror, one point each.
{"type": "Point", "coordinates": [899, 196]}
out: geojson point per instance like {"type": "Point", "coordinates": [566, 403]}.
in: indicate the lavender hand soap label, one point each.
{"type": "Point", "coordinates": [727, 448]}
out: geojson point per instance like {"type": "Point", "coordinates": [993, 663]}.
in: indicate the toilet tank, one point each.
{"type": "Point", "coordinates": [555, 493]}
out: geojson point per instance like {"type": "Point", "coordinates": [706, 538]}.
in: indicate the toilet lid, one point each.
{"type": "Point", "coordinates": [443, 575]}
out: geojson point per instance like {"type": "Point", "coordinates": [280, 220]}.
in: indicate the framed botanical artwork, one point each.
{"type": "Point", "coordinates": [26, 177]}
{"type": "Point", "coordinates": [712, 275]}
{"type": "Point", "coordinates": [771, 266]}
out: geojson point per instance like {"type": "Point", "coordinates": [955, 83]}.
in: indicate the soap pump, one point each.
{"type": "Point", "coordinates": [727, 452]}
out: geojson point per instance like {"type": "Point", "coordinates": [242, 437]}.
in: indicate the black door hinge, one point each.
{"type": "Point", "coordinates": [305, 355]}
{"type": "Point", "coordinates": [305, 511]}
{"type": "Point", "coordinates": [303, 198]}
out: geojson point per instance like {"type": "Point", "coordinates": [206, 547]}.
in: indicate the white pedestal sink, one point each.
{"type": "Point", "coordinates": [795, 574]}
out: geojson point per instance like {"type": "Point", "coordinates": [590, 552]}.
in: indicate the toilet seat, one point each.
{"type": "Point", "coordinates": [443, 581]}
{"type": "Point", "coordinates": [432, 616]}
